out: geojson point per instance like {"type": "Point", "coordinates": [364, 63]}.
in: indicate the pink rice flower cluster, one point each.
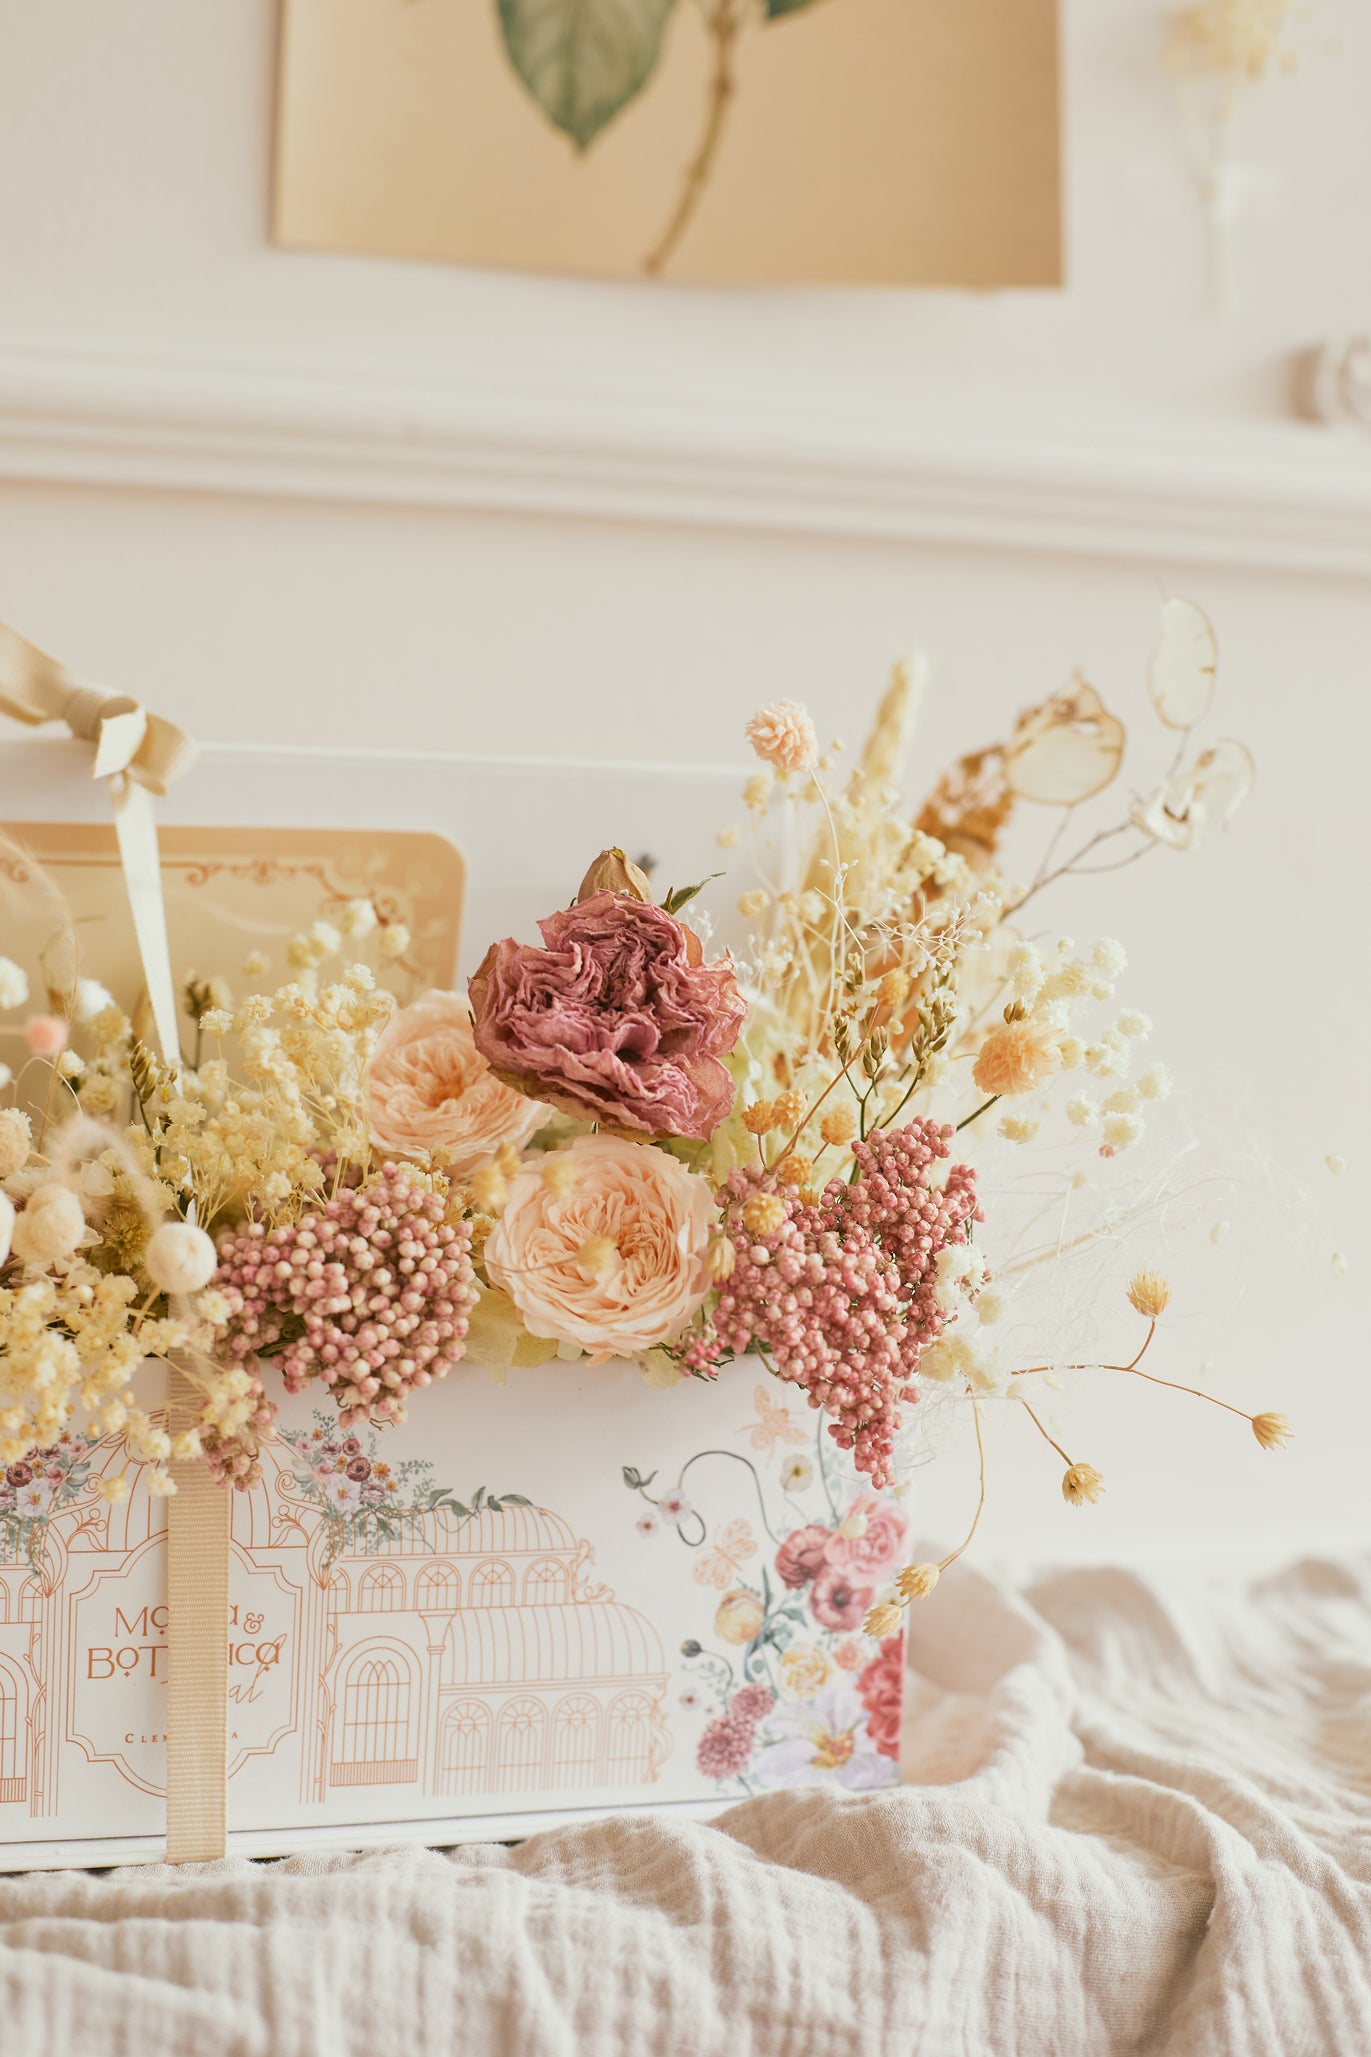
{"type": "Point", "coordinates": [725, 1748]}
{"type": "Point", "coordinates": [616, 1019]}
{"type": "Point", "coordinates": [841, 1295]}
{"type": "Point", "coordinates": [372, 1295]}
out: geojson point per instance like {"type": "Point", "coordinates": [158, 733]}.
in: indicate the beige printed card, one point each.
{"type": "Point", "coordinates": [752, 142]}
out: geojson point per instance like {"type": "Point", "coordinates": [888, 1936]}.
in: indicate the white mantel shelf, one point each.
{"type": "Point", "coordinates": [1282, 496]}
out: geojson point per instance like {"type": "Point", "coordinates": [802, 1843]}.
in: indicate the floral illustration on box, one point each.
{"type": "Point", "coordinates": [794, 1697]}
{"type": "Point", "coordinates": [368, 1498]}
{"type": "Point", "coordinates": [34, 1489]}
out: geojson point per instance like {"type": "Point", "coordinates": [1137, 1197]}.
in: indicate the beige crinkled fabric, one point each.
{"type": "Point", "coordinates": [1141, 1822]}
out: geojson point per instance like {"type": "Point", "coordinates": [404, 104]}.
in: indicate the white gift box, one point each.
{"type": "Point", "coordinates": [562, 1594]}
{"type": "Point", "coordinates": [468, 1627]}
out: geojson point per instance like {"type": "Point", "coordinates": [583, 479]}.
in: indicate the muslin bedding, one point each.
{"type": "Point", "coordinates": [1137, 1817]}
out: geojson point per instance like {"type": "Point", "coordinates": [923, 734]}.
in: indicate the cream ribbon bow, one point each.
{"type": "Point", "coordinates": [140, 754]}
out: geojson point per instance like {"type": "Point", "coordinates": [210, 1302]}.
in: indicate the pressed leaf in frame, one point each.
{"type": "Point", "coordinates": [583, 60]}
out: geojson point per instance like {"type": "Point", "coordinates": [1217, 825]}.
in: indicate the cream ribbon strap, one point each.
{"type": "Point", "coordinates": [141, 754]}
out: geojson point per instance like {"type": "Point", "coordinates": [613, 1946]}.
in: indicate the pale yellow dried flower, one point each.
{"type": "Point", "coordinates": [720, 1259]}
{"type": "Point", "coordinates": [893, 990]}
{"type": "Point", "coordinates": [760, 1117]}
{"type": "Point", "coordinates": [838, 1125]}
{"type": "Point", "coordinates": [1082, 1483]}
{"type": "Point", "coordinates": [917, 1581]}
{"type": "Point", "coordinates": [1272, 1431]}
{"type": "Point", "coordinates": [558, 1174]}
{"type": "Point", "coordinates": [794, 1170]}
{"type": "Point", "coordinates": [885, 1620]}
{"type": "Point", "coordinates": [790, 1109]}
{"type": "Point", "coordinates": [763, 1214]}
{"type": "Point", "coordinates": [597, 1256]}
{"type": "Point", "coordinates": [489, 1188]}
{"type": "Point", "coordinates": [1149, 1293]}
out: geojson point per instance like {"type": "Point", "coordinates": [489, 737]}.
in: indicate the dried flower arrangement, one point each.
{"type": "Point", "coordinates": [616, 1145]}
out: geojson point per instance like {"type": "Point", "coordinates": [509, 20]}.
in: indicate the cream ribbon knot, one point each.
{"type": "Point", "coordinates": [140, 754]}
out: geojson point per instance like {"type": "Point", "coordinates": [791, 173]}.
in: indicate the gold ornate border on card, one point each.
{"type": "Point", "coordinates": [231, 891]}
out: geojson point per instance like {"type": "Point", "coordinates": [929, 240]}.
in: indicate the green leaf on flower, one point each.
{"type": "Point", "coordinates": [681, 896]}
{"type": "Point", "coordinates": [634, 1479]}
{"type": "Point", "coordinates": [776, 8]}
{"type": "Point", "coordinates": [583, 60]}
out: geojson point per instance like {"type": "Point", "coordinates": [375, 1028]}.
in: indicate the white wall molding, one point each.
{"type": "Point", "coordinates": [1281, 496]}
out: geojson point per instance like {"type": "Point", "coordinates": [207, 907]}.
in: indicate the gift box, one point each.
{"type": "Point", "coordinates": [562, 1595]}
{"type": "Point", "coordinates": [558, 1589]}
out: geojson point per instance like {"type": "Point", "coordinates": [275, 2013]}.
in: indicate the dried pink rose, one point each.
{"type": "Point", "coordinates": [616, 1019]}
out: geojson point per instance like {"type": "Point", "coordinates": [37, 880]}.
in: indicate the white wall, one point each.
{"type": "Point", "coordinates": [300, 498]}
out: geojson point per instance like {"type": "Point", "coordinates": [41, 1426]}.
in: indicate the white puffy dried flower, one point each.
{"type": "Point", "coordinates": [393, 940]}
{"type": "Point", "coordinates": [1123, 1100]}
{"type": "Point", "coordinates": [91, 999]}
{"type": "Point", "coordinates": [1081, 1110]}
{"type": "Point", "coordinates": [752, 903]}
{"type": "Point", "coordinates": [1019, 1128]}
{"type": "Point", "coordinates": [357, 918]}
{"type": "Point", "coordinates": [14, 985]}
{"type": "Point", "coordinates": [1109, 957]}
{"type": "Point", "coordinates": [1134, 1024]}
{"type": "Point", "coordinates": [1155, 1083]}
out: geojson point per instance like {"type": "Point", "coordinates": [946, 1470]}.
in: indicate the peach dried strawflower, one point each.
{"type": "Point", "coordinates": [783, 734]}
{"type": "Point", "coordinates": [1016, 1057]}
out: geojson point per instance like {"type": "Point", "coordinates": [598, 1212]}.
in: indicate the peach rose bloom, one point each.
{"type": "Point", "coordinates": [617, 1263]}
{"type": "Point", "coordinates": [429, 1088]}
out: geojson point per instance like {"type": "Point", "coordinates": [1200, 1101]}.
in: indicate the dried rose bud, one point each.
{"type": "Point", "coordinates": [612, 872]}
